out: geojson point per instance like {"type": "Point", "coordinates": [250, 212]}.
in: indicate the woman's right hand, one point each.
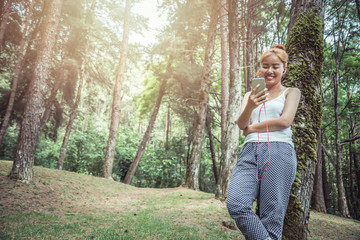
{"type": "Point", "coordinates": [256, 99]}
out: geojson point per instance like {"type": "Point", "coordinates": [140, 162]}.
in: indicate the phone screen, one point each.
{"type": "Point", "coordinates": [256, 81]}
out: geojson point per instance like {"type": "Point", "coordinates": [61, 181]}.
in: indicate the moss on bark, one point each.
{"type": "Point", "coordinates": [305, 48]}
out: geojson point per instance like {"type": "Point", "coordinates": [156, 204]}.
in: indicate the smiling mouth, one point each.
{"type": "Point", "coordinates": [269, 77]}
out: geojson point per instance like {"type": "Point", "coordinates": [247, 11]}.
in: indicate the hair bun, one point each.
{"type": "Point", "coordinates": [279, 46]}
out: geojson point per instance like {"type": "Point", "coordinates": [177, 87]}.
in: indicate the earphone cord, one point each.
{"type": "Point", "coordinates": [267, 130]}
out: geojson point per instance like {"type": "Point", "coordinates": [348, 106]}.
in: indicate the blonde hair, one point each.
{"type": "Point", "coordinates": [277, 50]}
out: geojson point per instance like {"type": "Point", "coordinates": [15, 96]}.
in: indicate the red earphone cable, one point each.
{"type": "Point", "coordinates": [267, 130]}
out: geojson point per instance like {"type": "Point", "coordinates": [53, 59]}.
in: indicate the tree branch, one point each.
{"type": "Point", "coordinates": [350, 140]}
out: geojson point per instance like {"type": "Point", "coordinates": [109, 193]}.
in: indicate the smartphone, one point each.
{"type": "Point", "coordinates": [255, 82]}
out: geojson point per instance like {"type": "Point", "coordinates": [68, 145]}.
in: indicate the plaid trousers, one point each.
{"type": "Point", "coordinates": [273, 189]}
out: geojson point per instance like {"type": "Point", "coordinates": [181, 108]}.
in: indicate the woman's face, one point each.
{"type": "Point", "coordinates": [272, 69]}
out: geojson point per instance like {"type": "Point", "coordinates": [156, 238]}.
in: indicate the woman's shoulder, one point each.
{"type": "Point", "coordinates": [293, 95]}
{"type": "Point", "coordinates": [293, 91]}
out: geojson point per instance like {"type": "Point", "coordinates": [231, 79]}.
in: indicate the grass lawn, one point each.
{"type": "Point", "coordinates": [66, 205]}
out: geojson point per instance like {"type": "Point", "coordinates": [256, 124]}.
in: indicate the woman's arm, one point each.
{"type": "Point", "coordinates": [286, 118]}
{"type": "Point", "coordinates": [249, 103]}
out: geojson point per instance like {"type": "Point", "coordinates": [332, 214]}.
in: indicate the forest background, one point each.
{"type": "Point", "coordinates": [158, 90]}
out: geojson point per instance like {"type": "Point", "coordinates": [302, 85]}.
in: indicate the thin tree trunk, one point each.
{"type": "Point", "coordinates": [72, 116]}
{"type": "Point", "coordinates": [230, 142]}
{"type": "Point", "coordinates": [244, 43]}
{"type": "Point", "coordinates": [167, 129]}
{"type": "Point", "coordinates": [28, 137]}
{"type": "Point", "coordinates": [351, 203]}
{"type": "Point", "coordinates": [325, 183]}
{"type": "Point", "coordinates": [306, 54]}
{"type": "Point", "coordinates": [358, 7]}
{"type": "Point", "coordinates": [224, 74]}
{"type": "Point", "coordinates": [116, 105]}
{"type": "Point", "coordinates": [192, 171]}
{"type": "Point", "coordinates": [79, 91]}
{"type": "Point", "coordinates": [134, 165]}
{"type": "Point", "coordinates": [357, 174]}
{"type": "Point", "coordinates": [318, 200]}
{"type": "Point", "coordinates": [341, 197]}
{"type": "Point", "coordinates": [18, 68]}
{"type": "Point", "coordinates": [212, 150]}
{"type": "Point", "coordinates": [50, 102]}
{"type": "Point", "coordinates": [4, 19]}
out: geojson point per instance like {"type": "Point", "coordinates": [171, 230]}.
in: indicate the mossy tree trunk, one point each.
{"type": "Point", "coordinates": [306, 56]}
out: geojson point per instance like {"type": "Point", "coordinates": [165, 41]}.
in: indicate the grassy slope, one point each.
{"type": "Point", "coordinates": [65, 205]}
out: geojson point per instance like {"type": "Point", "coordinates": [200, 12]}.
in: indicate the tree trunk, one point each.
{"type": "Point", "coordinates": [116, 105]}
{"type": "Point", "coordinates": [318, 200]}
{"type": "Point", "coordinates": [357, 175]}
{"type": "Point", "coordinates": [224, 75]}
{"type": "Point", "coordinates": [358, 7]}
{"type": "Point", "coordinates": [230, 142]}
{"type": "Point", "coordinates": [4, 19]}
{"type": "Point", "coordinates": [71, 119]}
{"type": "Point", "coordinates": [50, 103]}
{"type": "Point", "coordinates": [192, 171]}
{"type": "Point", "coordinates": [306, 56]}
{"type": "Point", "coordinates": [79, 91]}
{"type": "Point", "coordinates": [224, 68]}
{"type": "Point", "coordinates": [212, 150]}
{"type": "Point", "coordinates": [131, 173]}
{"type": "Point", "coordinates": [351, 200]}
{"type": "Point", "coordinates": [28, 137]}
{"type": "Point", "coordinates": [18, 68]}
{"type": "Point", "coordinates": [341, 197]}
{"type": "Point", "coordinates": [167, 129]}
{"type": "Point", "coordinates": [325, 183]}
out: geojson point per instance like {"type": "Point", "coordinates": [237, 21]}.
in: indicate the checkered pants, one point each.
{"type": "Point", "coordinates": [273, 190]}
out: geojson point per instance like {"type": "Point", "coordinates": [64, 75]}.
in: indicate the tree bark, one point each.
{"type": "Point", "coordinates": [192, 171]}
{"type": "Point", "coordinates": [341, 197]}
{"type": "Point", "coordinates": [224, 68]}
{"type": "Point", "coordinates": [28, 137]}
{"type": "Point", "coordinates": [18, 68]}
{"type": "Point", "coordinates": [116, 105]}
{"type": "Point", "coordinates": [79, 91]}
{"type": "Point", "coordinates": [357, 174]}
{"type": "Point", "coordinates": [306, 56]}
{"type": "Point", "coordinates": [134, 165]}
{"type": "Point", "coordinates": [325, 183]}
{"type": "Point", "coordinates": [212, 150]}
{"type": "Point", "coordinates": [230, 140]}
{"type": "Point", "coordinates": [358, 7]}
{"type": "Point", "coordinates": [50, 102]}
{"type": "Point", "coordinates": [4, 19]}
{"type": "Point", "coordinates": [318, 200]}
{"type": "Point", "coordinates": [167, 129]}
{"type": "Point", "coordinates": [224, 76]}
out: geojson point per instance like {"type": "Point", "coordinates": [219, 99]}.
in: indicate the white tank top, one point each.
{"type": "Point", "coordinates": [274, 109]}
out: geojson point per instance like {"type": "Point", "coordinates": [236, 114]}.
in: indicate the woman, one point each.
{"type": "Point", "coordinates": [266, 166]}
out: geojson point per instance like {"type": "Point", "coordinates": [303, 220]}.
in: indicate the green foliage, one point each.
{"type": "Point", "coordinates": [8, 147]}
{"type": "Point", "coordinates": [162, 168]}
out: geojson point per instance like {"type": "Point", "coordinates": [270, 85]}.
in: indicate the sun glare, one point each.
{"type": "Point", "coordinates": [156, 21]}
